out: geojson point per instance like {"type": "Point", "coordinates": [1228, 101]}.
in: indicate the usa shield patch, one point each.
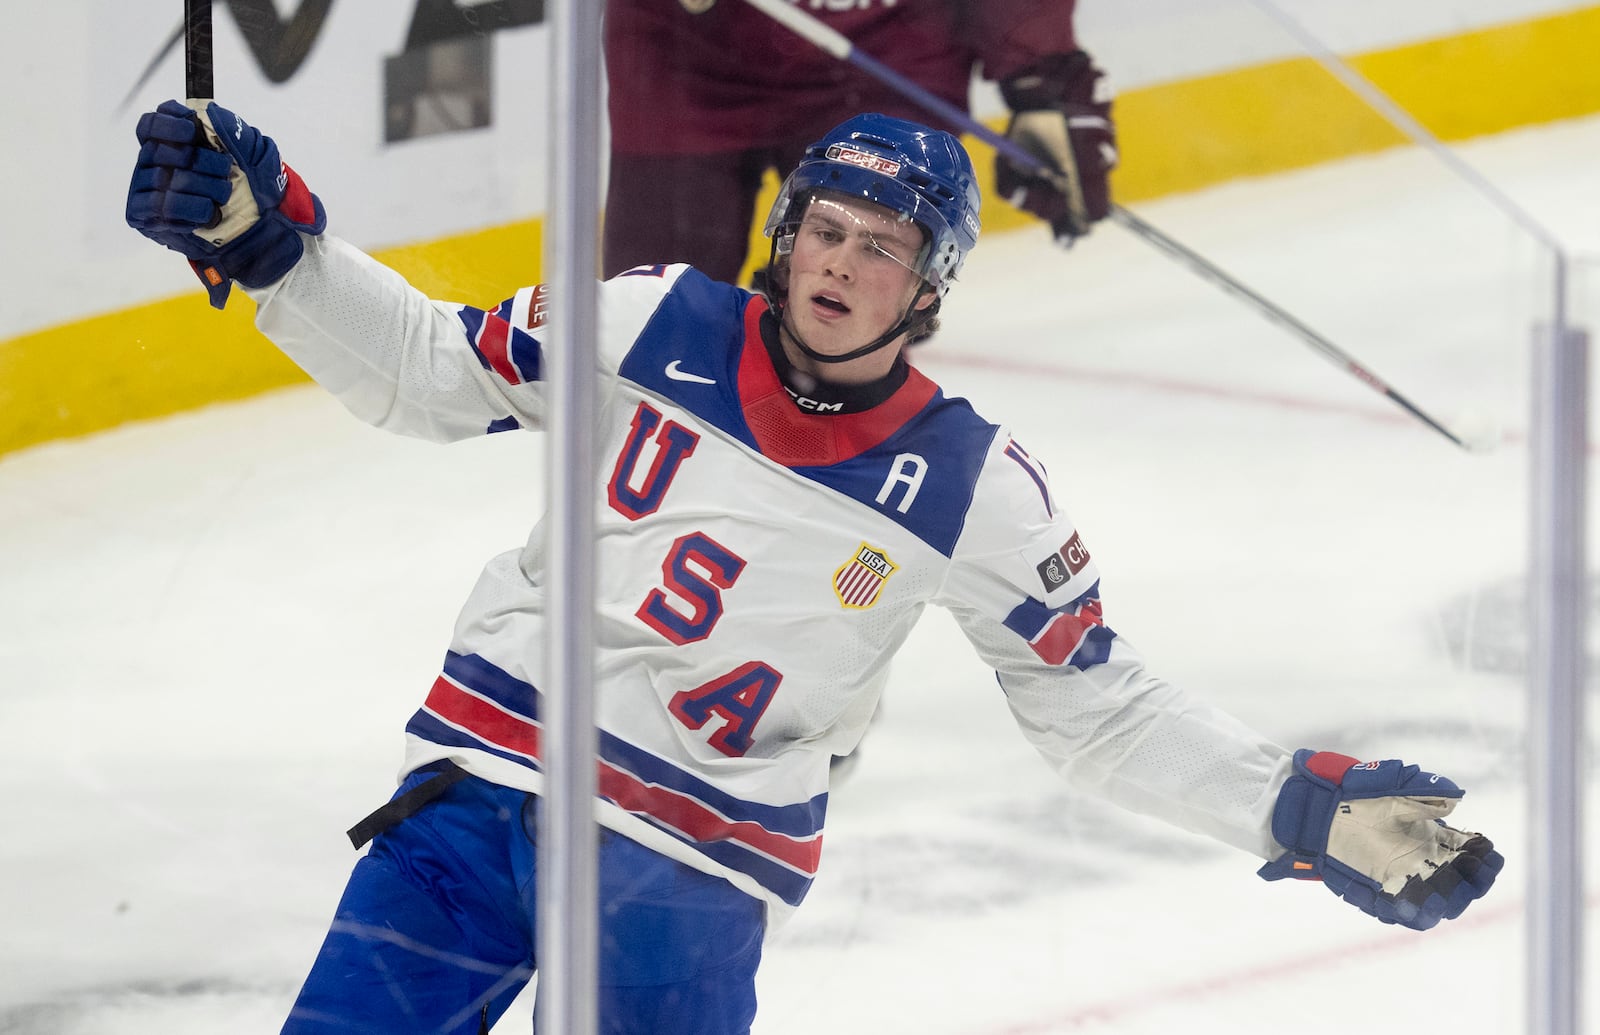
{"type": "Point", "coordinates": [860, 581]}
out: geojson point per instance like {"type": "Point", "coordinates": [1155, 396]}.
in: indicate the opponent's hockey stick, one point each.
{"type": "Point", "coordinates": [197, 76]}
{"type": "Point", "coordinates": [809, 28]}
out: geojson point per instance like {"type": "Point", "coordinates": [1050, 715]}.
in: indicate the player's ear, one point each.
{"type": "Point", "coordinates": [927, 297]}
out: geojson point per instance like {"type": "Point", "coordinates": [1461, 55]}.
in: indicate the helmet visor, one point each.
{"type": "Point", "coordinates": [832, 178]}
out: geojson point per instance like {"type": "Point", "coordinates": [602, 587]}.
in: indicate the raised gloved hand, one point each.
{"type": "Point", "coordinates": [1373, 833]}
{"type": "Point", "coordinates": [212, 188]}
{"type": "Point", "coordinates": [1061, 113]}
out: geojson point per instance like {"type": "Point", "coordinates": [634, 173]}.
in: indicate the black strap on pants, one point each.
{"type": "Point", "coordinates": [448, 775]}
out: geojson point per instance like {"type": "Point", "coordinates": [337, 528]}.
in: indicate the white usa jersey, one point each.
{"type": "Point", "coordinates": [759, 566]}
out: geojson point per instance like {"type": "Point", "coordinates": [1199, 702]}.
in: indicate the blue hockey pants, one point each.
{"type": "Point", "coordinates": [438, 921]}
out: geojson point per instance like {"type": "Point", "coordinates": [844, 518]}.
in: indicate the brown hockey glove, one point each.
{"type": "Point", "coordinates": [1061, 112]}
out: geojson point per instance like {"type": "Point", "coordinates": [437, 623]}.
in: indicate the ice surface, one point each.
{"type": "Point", "coordinates": [215, 626]}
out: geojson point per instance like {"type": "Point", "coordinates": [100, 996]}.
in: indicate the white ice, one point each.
{"type": "Point", "coordinates": [212, 628]}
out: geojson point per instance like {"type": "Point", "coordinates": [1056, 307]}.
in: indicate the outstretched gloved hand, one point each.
{"type": "Point", "coordinates": [1373, 832]}
{"type": "Point", "coordinates": [1061, 114]}
{"type": "Point", "coordinates": [212, 188]}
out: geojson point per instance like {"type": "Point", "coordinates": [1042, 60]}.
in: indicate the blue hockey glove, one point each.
{"type": "Point", "coordinates": [1061, 114]}
{"type": "Point", "coordinates": [210, 187]}
{"type": "Point", "coordinates": [1373, 833]}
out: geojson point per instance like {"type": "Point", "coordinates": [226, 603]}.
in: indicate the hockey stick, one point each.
{"type": "Point", "coordinates": [198, 83]}
{"type": "Point", "coordinates": [197, 68]}
{"type": "Point", "coordinates": [813, 31]}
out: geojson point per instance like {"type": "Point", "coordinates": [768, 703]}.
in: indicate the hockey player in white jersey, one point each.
{"type": "Point", "coordinates": [769, 462]}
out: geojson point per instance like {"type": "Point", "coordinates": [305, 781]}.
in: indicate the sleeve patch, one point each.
{"type": "Point", "coordinates": [1058, 569]}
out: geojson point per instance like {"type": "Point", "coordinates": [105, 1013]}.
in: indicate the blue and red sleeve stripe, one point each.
{"type": "Point", "coordinates": [1074, 634]}
{"type": "Point", "coordinates": [511, 353]}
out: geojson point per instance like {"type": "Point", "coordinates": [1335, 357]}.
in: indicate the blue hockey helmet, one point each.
{"type": "Point", "coordinates": [923, 174]}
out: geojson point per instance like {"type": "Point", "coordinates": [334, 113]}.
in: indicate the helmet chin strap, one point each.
{"type": "Point", "coordinates": [870, 347]}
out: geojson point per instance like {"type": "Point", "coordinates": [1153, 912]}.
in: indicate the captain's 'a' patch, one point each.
{"type": "Point", "coordinates": [860, 581]}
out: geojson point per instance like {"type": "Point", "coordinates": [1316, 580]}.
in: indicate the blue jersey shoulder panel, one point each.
{"type": "Point", "coordinates": [922, 476]}
{"type": "Point", "coordinates": [689, 351]}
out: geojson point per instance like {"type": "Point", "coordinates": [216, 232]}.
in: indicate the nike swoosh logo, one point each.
{"type": "Point", "coordinates": [683, 375]}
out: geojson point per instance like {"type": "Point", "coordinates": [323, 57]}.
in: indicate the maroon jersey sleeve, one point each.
{"type": "Point", "coordinates": [732, 79]}
{"type": "Point", "coordinates": [1008, 35]}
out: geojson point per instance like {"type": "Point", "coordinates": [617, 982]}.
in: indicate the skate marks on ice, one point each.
{"type": "Point", "coordinates": [1003, 853]}
{"type": "Point", "coordinates": [1486, 629]}
{"type": "Point", "coordinates": [193, 1004]}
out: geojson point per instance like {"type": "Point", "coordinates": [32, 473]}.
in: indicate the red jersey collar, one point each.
{"type": "Point", "coordinates": [792, 437]}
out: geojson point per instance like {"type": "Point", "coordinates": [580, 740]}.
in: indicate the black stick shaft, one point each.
{"type": "Point", "coordinates": [1278, 315]}
{"type": "Point", "coordinates": [197, 67]}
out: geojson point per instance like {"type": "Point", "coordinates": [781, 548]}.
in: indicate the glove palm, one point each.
{"type": "Point", "coordinates": [1374, 833]}
{"type": "Point", "coordinates": [1061, 114]}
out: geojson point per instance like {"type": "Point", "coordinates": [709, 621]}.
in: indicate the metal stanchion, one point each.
{"type": "Point", "coordinates": [1558, 613]}
{"type": "Point", "coordinates": [568, 853]}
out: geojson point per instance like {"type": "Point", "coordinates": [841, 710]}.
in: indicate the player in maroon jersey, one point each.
{"type": "Point", "coordinates": [706, 96]}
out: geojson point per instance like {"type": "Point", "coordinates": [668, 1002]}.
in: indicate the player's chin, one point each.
{"type": "Point", "coordinates": [833, 344]}
{"type": "Point", "coordinates": [831, 336]}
